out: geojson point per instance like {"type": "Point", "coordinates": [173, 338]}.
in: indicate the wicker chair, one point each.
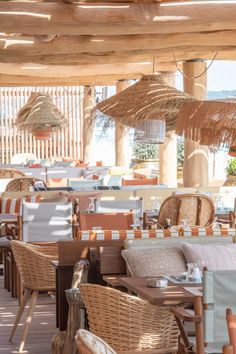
{"type": "Point", "coordinates": [63, 342]}
{"type": "Point", "coordinates": [37, 274]}
{"type": "Point", "coordinates": [127, 322]}
{"type": "Point", "coordinates": [22, 184]}
{"type": "Point", "coordinates": [10, 173]}
{"type": "Point", "coordinates": [88, 343]}
{"type": "Point", "coordinates": [198, 209]}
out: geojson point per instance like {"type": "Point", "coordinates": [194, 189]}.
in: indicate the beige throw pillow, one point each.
{"type": "Point", "coordinates": [214, 257]}
{"type": "Point", "coordinates": [154, 262]}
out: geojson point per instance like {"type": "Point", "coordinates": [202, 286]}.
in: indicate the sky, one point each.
{"type": "Point", "coordinates": [221, 75]}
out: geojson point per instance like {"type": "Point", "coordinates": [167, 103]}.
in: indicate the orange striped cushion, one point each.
{"type": "Point", "coordinates": [125, 234]}
{"type": "Point", "coordinates": [13, 205]}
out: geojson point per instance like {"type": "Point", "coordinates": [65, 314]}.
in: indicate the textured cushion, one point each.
{"type": "Point", "coordinates": [214, 257]}
{"type": "Point", "coordinates": [14, 205]}
{"type": "Point", "coordinates": [154, 262]}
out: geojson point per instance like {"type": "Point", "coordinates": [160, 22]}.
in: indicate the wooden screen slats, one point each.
{"type": "Point", "coordinates": [65, 142]}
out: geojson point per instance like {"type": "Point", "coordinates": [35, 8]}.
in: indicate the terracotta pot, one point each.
{"type": "Point", "coordinates": [232, 151]}
{"type": "Point", "coordinates": [42, 134]}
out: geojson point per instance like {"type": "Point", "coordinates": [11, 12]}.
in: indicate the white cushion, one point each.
{"type": "Point", "coordinates": [214, 257]}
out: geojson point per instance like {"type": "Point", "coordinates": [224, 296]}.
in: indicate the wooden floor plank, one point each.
{"type": "Point", "coordinates": [42, 328]}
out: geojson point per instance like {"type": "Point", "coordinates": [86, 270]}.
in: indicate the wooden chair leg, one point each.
{"type": "Point", "coordinates": [19, 314]}
{"type": "Point", "coordinates": [33, 302]}
{"type": "Point", "coordinates": [227, 349]}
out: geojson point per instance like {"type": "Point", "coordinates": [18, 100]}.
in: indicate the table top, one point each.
{"type": "Point", "coordinates": [172, 295]}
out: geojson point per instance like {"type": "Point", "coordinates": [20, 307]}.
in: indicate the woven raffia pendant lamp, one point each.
{"type": "Point", "coordinates": [40, 116]}
{"type": "Point", "coordinates": [150, 106]}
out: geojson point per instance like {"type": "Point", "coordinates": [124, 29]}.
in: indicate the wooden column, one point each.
{"type": "Point", "coordinates": [195, 170]}
{"type": "Point", "coordinates": [168, 150]}
{"type": "Point", "coordinates": [88, 125]}
{"type": "Point", "coordinates": [121, 133]}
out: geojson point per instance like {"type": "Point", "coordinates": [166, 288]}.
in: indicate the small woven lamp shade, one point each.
{"type": "Point", "coordinates": [40, 116]}
{"type": "Point", "coordinates": [151, 131]}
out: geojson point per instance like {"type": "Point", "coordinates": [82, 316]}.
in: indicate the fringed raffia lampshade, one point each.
{"type": "Point", "coordinates": [40, 116]}
{"type": "Point", "coordinates": [148, 99]}
{"type": "Point", "coordinates": [209, 122]}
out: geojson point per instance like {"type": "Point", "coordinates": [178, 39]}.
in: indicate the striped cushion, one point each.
{"type": "Point", "coordinates": [125, 234]}
{"type": "Point", "coordinates": [206, 231]}
{"type": "Point", "coordinates": [14, 206]}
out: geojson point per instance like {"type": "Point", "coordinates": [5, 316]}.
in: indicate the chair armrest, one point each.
{"type": "Point", "coordinates": [186, 315]}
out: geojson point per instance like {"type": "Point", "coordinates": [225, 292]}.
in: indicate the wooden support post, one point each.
{"type": "Point", "coordinates": [88, 124]}
{"type": "Point", "coordinates": [195, 171]}
{"type": "Point", "coordinates": [121, 133]}
{"type": "Point", "coordinates": [168, 150]}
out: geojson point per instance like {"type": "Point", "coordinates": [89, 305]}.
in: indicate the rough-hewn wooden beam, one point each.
{"type": "Point", "coordinates": [22, 80]}
{"type": "Point", "coordinates": [79, 44]}
{"type": "Point", "coordinates": [96, 19]}
{"type": "Point", "coordinates": [181, 53]}
{"type": "Point", "coordinates": [83, 70]}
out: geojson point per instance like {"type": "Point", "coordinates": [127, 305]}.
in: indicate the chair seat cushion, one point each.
{"type": "Point", "coordinates": [154, 262]}
{"type": "Point", "coordinates": [214, 257]}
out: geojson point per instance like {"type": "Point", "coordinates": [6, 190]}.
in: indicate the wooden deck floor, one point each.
{"type": "Point", "coordinates": [41, 331]}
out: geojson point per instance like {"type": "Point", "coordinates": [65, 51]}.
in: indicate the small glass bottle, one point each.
{"type": "Point", "coordinates": [167, 224]}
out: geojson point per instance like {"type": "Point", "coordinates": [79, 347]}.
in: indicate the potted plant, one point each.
{"type": "Point", "coordinates": [144, 156]}
{"type": "Point", "coordinates": [231, 172]}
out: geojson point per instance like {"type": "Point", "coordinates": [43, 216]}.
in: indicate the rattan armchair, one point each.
{"type": "Point", "coordinates": [127, 322]}
{"type": "Point", "coordinates": [10, 173]}
{"type": "Point", "coordinates": [88, 343]}
{"type": "Point", "coordinates": [23, 184]}
{"type": "Point", "coordinates": [37, 274]}
{"type": "Point", "coordinates": [197, 208]}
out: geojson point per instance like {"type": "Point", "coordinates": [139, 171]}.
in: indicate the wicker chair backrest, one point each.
{"type": "Point", "coordinates": [10, 173]}
{"type": "Point", "coordinates": [35, 268]}
{"type": "Point", "coordinates": [198, 209]}
{"type": "Point", "coordinates": [127, 322]}
{"type": "Point", "coordinates": [22, 184]}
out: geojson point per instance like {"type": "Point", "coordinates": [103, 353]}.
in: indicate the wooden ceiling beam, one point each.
{"type": "Point", "coordinates": [29, 69]}
{"type": "Point", "coordinates": [30, 46]}
{"type": "Point", "coordinates": [140, 57]}
{"type": "Point", "coordinates": [115, 18]}
{"type": "Point", "coordinates": [100, 80]}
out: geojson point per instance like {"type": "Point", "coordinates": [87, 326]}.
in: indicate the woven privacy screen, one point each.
{"type": "Point", "coordinates": [39, 113]}
{"type": "Point", "coordinates": [209, 122]}
{"type": "Point", "coordinates": [149, 98]}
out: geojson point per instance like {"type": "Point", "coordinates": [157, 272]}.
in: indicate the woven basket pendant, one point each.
{"type": "Point", "coordinates": [42, 134]}
{"type": "Point", "coordinates": [232, 151]}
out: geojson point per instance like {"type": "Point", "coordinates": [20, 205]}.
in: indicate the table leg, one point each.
{"type": "Point", "coordinates": [63, 279]}
{"type": "Point", "coordinates": [198, 310]}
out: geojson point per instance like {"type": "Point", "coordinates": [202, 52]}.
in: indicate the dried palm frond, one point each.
{"type": "Point", "coordinates": [208, 122]}
{"type": "Point", "coordinates": [149, 98]}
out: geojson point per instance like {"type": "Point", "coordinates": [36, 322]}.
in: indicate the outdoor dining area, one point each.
{"type": "Point", "coordinates": [109, 244]}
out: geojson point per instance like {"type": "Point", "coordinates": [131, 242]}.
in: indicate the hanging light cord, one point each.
{"type": "Point", "coordinates": [199, 75]}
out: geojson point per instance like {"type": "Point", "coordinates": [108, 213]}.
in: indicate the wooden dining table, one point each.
{"type": "Point", "coordinates": [173, 294]}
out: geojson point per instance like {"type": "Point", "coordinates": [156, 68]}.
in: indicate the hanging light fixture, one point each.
{"type": "Point", "coordinates": [151, 131]}
{"type": "Point", "coordinates": [40, 116]}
